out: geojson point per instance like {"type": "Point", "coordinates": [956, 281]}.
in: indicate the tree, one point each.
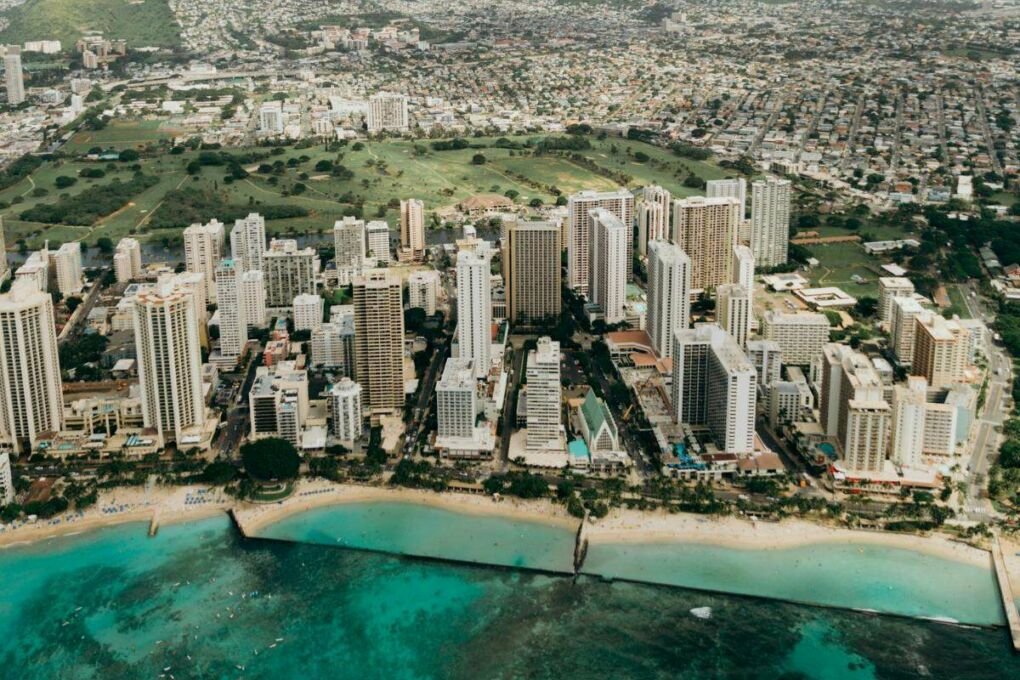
{"type": "Point", "coordinates": [105, 244]}
{"type": "Point", "coordinates": [219, 473]}
{"type": "Point", "coordinates": [129, 155]}
{"type": "Point", "coordinates": [72, 303]}
{"type": "Point", "coordinates": [63, 182]}
{"type": "Point", "coordinates": [270, 459]}
{"type": "Point", "coordinates": [478, 159]}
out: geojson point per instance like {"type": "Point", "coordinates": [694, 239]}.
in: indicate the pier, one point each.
{"type": "Point", "coordinates": [1006, 592]}
{"type": "Point", "coordinates": [581, 545]}
{"type": "Point", "coordinates": [154, 523]}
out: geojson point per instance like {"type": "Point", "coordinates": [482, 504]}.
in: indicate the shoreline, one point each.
{"type": "Point", "coordinates": [252, 517]}
{"type": "Point", "coordinates": [637, 527]}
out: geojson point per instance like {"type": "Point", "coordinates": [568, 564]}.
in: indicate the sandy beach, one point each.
{"type": "Point", "coordinates": [317, 494]}
{"type": "Point", "coordinates": [633, 526]}
{"type": "Point", "coordinates": [123, 505]}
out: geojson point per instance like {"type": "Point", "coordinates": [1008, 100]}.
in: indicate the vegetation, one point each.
{"type": "Point", "coordinates": [150, 23]}
{"type": "Point", "coordinates": [270, 459]}
{"type": "Point", "coordinates": [86, 209]}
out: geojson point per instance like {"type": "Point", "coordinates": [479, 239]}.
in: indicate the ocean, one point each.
{"type": "Point", "coordinates": [199, 601]}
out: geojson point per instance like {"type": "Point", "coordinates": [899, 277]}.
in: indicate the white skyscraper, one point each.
{"type": "Point", "coordinates": [909, 407]}
{"type": "Point", "coordinates": [544, 410]}
{"type": "Point", "coordinates": [231, 308]}
{"type": "Point", "coordinates": [349, 247]}
{"type": "Point", "coordinates": [5, 269]}
{"type": "Point", "coordinates": [30, 388]}
{"type": "Point", "coordinates": [7, 491]}
{"type": "Point", "coordinates": [579, 231]}
{"type": "Point", "coordinates": [609, 265]}
{"type": "Point", "coordinates": [474, 310]}
{"type": "Point", "coordinates": [253, 297]}
{"type": "Point", "coordinates": [377, 241]}
{"type": "Point", "coordinates": [770, 221]}
{"type": "Point", "coordinates": [203, 250]}
{"type": "Point", "coordinates": [714, 384]}
{"type": "Point", "coordinates": [457, 400]}
{"type": "Point", "coordinates": [743, 267]}
{"type": "Point", "coordinates": [67, 264]}
{"type": "Point", "coordinates": [422, 290]}
{"type": "Point", "coordinates": [345, 407]}
{"type": "Point", "coordinates": [13, 76]}
{"type": "Point", "coordinates": [733, 311]}
{"type": "Point", "coordinates": [289, 271]}
{"type": "Point", "coordinates": [669, 294]}
{"type": "Point", "coordinates": [127, 260]}
{"type": "Point", "coordinates": [248, 242]}
{"type": "Point", "coordinates": [653, 216]}
{"type": "Point", "coordinates": [890, 288]}
{"type": "Point", "coordinates": [387, 112]}
{"type": "Point", "coordinates": [307, 312]}
{"type": "Point", "coordinates": [169, 360]}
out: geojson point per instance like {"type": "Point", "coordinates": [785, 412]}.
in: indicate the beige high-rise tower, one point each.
{"type": "Point", "coordinates": [940, 350]}
{"type": "Point", "coordinates": [30, 388]}
{"type": "Point", "coordinates": [169, 360]}
{"type": "Point", "coordinates": [531, 261]}
{"type": "Point", "coordinates": [379, 341]}
{"type": "Point", "coordinates": [412, 229]}
{"type": "Point", "coordinates": [203, 250]}
{"type": "Point", "coordinates": [579, 231]}
{"type": "Point", "coordinates": [706, 229]}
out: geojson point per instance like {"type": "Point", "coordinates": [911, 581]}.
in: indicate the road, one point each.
{"type": "Point", "coordinates": [986, 441]}
{"type": "Point", "coordinates": [510, 407]}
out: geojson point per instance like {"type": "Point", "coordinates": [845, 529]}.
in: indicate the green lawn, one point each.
{"type": "Point", "coordinates": [120, 135]}
{"type": "Point", "coordinates": [958, 306]}
{"type": "Point", "coordinates": [384, 171]}
{"type": "Point", "coordinates": [840, 261]}
{"type": "Point", "coordinates": [146, 23]}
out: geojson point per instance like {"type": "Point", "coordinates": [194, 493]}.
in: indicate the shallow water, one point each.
{"type": "Point", "coordinates": [117, 604]}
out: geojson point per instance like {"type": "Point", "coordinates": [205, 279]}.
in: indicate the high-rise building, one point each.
{"type": "Point", "coordinates": [890, 288]}
{"type": "Point", "coordinates": [66, 261]}
{"type": "Point", "coordinates": [903, 327]}
{"type": "Point", "coordinates": [770, 221]}
{"type": "Point", "coordinates": [457, 399]}
{"type": "Point", "coordinates": [379, 341]}
{"type": "Point", "coordinates": [333, 342]}
{"type": "Point", "coordinates": [349, 248]}
{"type": "Point", "coordinates": [7, 491]}
{"type": "Point", "coordinates": [253, 297]}
{"type": "Point", "coordinates": [127, 260]}
{"type": "Point", "coordinates": [423, 290]}
{"type": "Point", "coordinates": [387, 112]}
{"type": "Point", "coordinates": [30, 387]}
{"type": "Point", "coordinates": [308, 312]}
{"type": "Point", "coordinates": [800, 335]}
{"type": "Point", "coordinates": [169, 360]}
{"type": "Point", "coordinates": [248, 242]}
{"type": "Point", "coordinates": [5, 268]}
{"type": "Point", "coordinates": [13, 76]}
{"type": "Point", "coordinates": [531, 265]}
{"type": "Point", "coordinates": [714, 384]}
{"type": "Point", "coordinates": [853, 407]}
{"type": "Point", "coordinates": [733, 188]}
{"type": "Point", "coordinates": [412, 229]}
{"type": "Point", "coordinates": [706, 229]}
{"type": "Point", "coordinates": [271, 118]}
{"type": "Point", "coordinates": [377, 241]}
{"type": "Point", "coordinates": [909, 406]}
{"type": "Point", "coordinates": [767, 359]}
{"type": "Point", "coordinates": [231, 309]}
{"type": "Point", "coordinates": [669, 294]}
{"type": "Point", "coordinates": [345, 408]}
{"type": "Point", "coordinates": [203, 250]}
{"type": "Point", "coordinates": [733, 311]}
{"type": "Point", "coordinates": [474, 310]}
{"type": "Point", "coordinates": [653, 216]}
{"type": "Point", "coordinates": [289, 271]}
{"type": "Point", "coordinates": [278, 403]}
{"type": "Point", "coordinates": [789, 401]}
{"type": "Point", "coordinates": [609, 265]}
{"type": "Point", "coordinates": [743, 268]}
{"type": "Point", "coordinates": [579, 231]}
{"type": "Point", "coordinates": [544, 407]}
{"type": "Point", "coordinates": [36, 269]}
{"type": "Point", "coordinates": [941, 348]}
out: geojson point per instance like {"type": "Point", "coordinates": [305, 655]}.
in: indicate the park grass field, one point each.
{"type": "Point", "coordinates": [149, 23]}
{"type": "Point", "coordinates": [841, 261]}
{"type": "Point", "coordinates": [383, 172]}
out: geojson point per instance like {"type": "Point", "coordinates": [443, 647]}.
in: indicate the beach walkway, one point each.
{"type": "Point", "coordinates": [1006, 592]}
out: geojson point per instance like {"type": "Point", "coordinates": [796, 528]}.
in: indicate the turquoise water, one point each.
{"type": "Point", "coordinates": [201, 602]}
{"type": "Point", "coordinates": [424, 531]}
{"type": "Point", "coordinates": [862, 577]}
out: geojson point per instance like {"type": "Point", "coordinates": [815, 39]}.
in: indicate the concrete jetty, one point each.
{"type": "Point", "coordinates": [1006, 592]}
{"type": "Point", "coordinates": [154, 523]}
{"type": "Point", "coordinates": [581, 544]}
